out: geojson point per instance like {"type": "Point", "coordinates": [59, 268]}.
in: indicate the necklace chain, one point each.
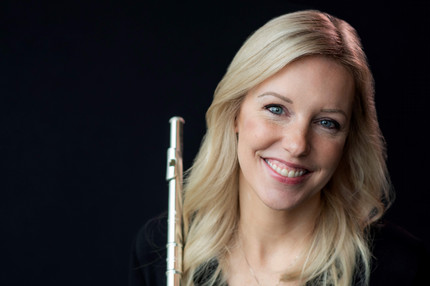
{"type": "Point", "coordinates": [252, 272]}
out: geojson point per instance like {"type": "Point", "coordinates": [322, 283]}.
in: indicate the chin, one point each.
{"type": "Point", "coordinates": [306, 202]}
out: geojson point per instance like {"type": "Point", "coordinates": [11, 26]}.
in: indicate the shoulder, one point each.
{"type": "Point", "coordinates": [399, 258]}
{"type": "Point", "coordinates": [148, 257]}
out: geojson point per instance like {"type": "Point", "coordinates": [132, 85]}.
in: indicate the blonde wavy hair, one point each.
{"type": "Point", "coordinates": [358, 193]}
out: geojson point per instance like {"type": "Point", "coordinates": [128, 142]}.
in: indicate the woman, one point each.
{"type": "Point", "coordinates": [291, 177]}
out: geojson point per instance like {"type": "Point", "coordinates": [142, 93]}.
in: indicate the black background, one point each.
{"type": "Point", "coordinates": [86, 92]}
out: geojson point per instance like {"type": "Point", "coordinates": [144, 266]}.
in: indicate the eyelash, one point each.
{"type": "Point", "coordinates": [270, 108]}
{"type": "Point", "coordinates": [334, 125]}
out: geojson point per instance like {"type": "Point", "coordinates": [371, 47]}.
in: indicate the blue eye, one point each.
{"type": "Point", "coordinates": [329, 124]}
{"type": "Point", "coordinates": [275, 109]}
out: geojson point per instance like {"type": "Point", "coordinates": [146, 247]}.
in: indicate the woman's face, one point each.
{"type": "Point", "coordinates": [291, 133]}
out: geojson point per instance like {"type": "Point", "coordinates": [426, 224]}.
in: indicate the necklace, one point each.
{"type": "Point", "coordinates": [252, 272]}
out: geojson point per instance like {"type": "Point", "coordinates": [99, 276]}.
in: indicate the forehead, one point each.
{"type": "Point", "coordinates": [315, 79]}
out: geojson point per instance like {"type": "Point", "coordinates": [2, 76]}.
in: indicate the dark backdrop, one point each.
{"type": "Point", "coordinates": [87, 89]}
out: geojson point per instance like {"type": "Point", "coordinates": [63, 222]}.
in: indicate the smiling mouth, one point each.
{"type": "Point", "coordinates": [286, 171]}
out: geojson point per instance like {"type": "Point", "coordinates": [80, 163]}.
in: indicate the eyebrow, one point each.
{"type": "Point", "coordinates": [335, 111]}
{"type": "Point", "coordinates": [284, 98]}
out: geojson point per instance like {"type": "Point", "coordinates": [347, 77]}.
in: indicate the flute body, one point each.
{"type": "Point", "coordinates": [174, 221]}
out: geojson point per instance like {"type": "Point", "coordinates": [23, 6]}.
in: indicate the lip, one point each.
{"type": "Point", "coordinates": [288, 165]}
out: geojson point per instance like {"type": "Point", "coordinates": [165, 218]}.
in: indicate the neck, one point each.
{"type": "Point", "coordinates": [266, 233]}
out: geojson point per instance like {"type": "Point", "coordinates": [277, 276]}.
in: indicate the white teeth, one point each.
{"type": "Point", "coordinates": [285, 172]}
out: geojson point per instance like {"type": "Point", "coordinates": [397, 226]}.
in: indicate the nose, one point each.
{"type": "Point", "coordinates": [296, 139]}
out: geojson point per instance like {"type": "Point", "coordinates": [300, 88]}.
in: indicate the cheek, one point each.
{"type": "Point", "coordinates": [255, 133]}
{"type": "Point", "coordinates": [331, 153]}
{"type": "Point", "coordinates": [252, 138]}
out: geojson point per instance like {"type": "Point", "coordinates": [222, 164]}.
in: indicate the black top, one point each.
{"type": "Point", "coordinates": [400, 259]}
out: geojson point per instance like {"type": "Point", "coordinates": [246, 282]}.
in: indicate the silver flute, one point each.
{"type": "Point", "coordinates": [174, 220]}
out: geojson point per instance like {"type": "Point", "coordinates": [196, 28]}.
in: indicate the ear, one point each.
{"type": "Point", "coordinates": [237, 116]}
{"type": "Point", "coordinates": [236, 128]}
